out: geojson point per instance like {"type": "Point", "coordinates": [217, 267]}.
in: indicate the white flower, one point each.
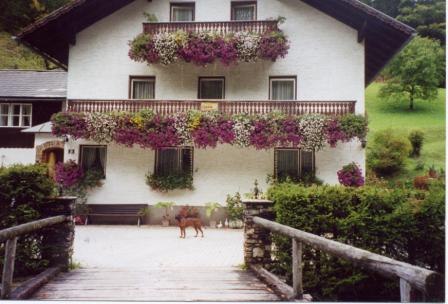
{"type": "Point", "coordinates": [312, 128]}
{"type": "Point", "coordinates": [167, 47]}
{"type": "Point", "coordinates": [101, 127]}
{"type": "Point", "coordinates": [242, 128]}
{"type": "Point", "coordinates": [247, 45]}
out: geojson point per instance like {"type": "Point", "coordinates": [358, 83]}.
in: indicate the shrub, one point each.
{"type": "Point", "coordinates": [235, 207]}
{"type": "Point", "coordinates": [388, 153]}
{"type": "Point", "coordinates": [400, 223]}
{"type": "Point", "coordinates": [416, 139]}
{"type": "Point", "coordinates": [22, 191]}
{"type": "Point", "coordinates": [170, 182]}
{"type": "Point", "coordinates": [351, 176]}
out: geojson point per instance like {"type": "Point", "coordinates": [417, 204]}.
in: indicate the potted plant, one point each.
{"type": "Point", "coordinates": [168, 206]}
{"type": "Point", "coordinates": [235, 211]}
{"type": "Point", "coordinates": [210, 209]}
{"type": "Point", "coordinates": [144, 213]}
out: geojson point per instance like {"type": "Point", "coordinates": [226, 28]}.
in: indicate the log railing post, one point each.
{"type": "Point", "coordinates": [8, 267]}
{"type": "Point", "coordinates": [405, 291]}
{"type": "Point", "coordinates": [297, 270]}
{"type": "Point", "coordinates": [257, 240]}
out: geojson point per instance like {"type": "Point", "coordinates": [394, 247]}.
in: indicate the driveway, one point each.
{"type": "Point", "coordinates": [154, 247]}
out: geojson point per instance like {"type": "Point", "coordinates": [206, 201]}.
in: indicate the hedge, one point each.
{"type": "Point", "coordinates": [399, 223]}
{"type": "Point", "coordinates": [22, 190]}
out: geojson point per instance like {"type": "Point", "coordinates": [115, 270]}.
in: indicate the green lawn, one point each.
{"type": "Point", "coordinates": [427, 116]}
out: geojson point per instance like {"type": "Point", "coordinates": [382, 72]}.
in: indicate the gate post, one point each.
{"type": "Point", "coordinates": [58, 239]}
{"type": "Point", "coordinates": [257, 240]}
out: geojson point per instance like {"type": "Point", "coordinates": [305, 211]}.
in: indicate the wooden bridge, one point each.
{"type": "Point", "coordinates": [198, 283]}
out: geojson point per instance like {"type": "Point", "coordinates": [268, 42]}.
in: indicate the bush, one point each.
{"type": "Point", "coordinates": [170, 182]}
{"type": "Point", "coordinates": [388, 153]}
{"type": "Point", "coordinates": [22, 190]}
{"type": "Point", "coordinates": [400, 223]}
{"type": "Point", "coordinates": [416, 139]}
{"type": "Point", "coordinates": [235, 207]}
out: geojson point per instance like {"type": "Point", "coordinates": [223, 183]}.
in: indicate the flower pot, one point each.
{"type": "Point", "coordinates": [79, 219]}
{"type": "Point", "coordinates": [165, 223]}
{"type": "Point", "coordinates": [236, 224]}
{"type": "Point", "coordinates": [213, 224]}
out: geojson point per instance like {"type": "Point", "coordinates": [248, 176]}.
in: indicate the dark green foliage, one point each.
{"type": "Point", "coordinates": [22, 190]}
{"type": "Point", "coordinates": [416, 139]}
{"type": "Point", "coordinates": [354, 126]}
{"type": "Point", "coordinates": [387, 154]}
{"type": "Point", "coordinates": [234, 207]}
{"type": "Point", "coordinates": [170, 182]}
{"type": "Point", "coordinates": [400, 223]}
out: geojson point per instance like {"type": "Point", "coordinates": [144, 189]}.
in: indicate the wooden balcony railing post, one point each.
{"type": "Point", "coordinates": [297, 270]}
{"type": "Point", "coordinates": [8, 267]}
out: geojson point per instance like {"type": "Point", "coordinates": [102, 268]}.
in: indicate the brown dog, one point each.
{"type": "Point", "coordinates": [189, 217]}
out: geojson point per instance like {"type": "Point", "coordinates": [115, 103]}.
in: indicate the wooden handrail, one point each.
{"type": "Point", "coordinates": [10, 235]}
{"type": "Point", "coordinates": [223, 27]}
{"type": "Point", "coordinates": [19, 230]}
{"type": "Point", "coordinates": [427, 281]}
{"type": "Point", "coordinates": [251, 107]}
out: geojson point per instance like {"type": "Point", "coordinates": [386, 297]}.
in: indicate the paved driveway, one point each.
{"type": "Point", "coordinates": [154, 247]}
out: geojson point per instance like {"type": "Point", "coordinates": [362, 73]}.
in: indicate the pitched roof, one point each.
{"type": "Point", "coordinates": [33, 84]}
{"type": "Point", "coordinates": [383, 35]}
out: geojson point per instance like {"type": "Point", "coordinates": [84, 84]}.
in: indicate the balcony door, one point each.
{"type": "Point", "coordinates": [211, 88]}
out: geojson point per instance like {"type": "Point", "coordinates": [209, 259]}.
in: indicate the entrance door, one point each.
{"type": "Point", "coordinates": [51, 157]}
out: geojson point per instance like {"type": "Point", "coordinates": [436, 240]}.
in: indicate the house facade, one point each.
{"type": "Point", "coordinates": [334, 50]}
{"type": "Point", "coordinates": [28, 99]}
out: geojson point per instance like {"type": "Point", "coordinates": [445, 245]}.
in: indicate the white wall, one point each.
{"type": "Point", "coordinates": [17, 156]}
{"type": "Point", "coordinates": [217, 172]}
{"type": "Point", "coordinates": [324, 54]}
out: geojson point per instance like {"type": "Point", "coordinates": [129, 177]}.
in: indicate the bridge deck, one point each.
{"type": "Point", "coordinates": [152, 263]}
{"type": "Point", "coordinates": [174, 284]}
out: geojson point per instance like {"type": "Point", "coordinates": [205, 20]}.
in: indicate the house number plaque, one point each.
{"type": "Point", "coordinates": [209, 106]}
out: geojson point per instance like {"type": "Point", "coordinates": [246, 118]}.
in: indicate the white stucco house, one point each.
{"type": "Point", "coordinates": [336, 48]}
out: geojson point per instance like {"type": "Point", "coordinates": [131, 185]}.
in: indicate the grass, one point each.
{"type": "Point", "coordinates": [428, 116]}
{"type": "Point", "coordinates": [15, 56]}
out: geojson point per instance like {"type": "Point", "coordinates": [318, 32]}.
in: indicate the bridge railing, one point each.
{"type": "Point", "coordinates": [257, 254]}
{"type": "Point", "coordinates": [58, 246]}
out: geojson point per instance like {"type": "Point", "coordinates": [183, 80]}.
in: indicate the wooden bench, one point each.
{"type": "Point", "coordinates": [131, 210]}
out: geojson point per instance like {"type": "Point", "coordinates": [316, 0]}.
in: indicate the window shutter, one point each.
{"type": "Point", "coordinates": [187, 160]}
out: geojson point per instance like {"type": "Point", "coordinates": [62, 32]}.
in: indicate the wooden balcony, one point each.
{"type": "Point", "coordinates": [164, 107]}
{"type": "Point", "coordinates": [223, 27]}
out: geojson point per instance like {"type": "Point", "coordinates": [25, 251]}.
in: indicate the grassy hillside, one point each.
{"type": "Point", "coordinates": [15, 56]}
{"type": "Point", "coordinates": [428, 117]}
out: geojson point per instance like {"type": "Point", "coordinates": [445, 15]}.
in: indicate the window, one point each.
{"type": "Point", "coordinates": [93, 158]}
{"type": "Point", "coordinates": [282, 88]}
{"type": "Point", "coordinates": [244, 10]}
{"type": "Point", "coordinates": [142, 87]}
{"type": "Point", "coordinates": [15, 115]}
{"type": "Point", "coordinates": [293, 163]}
{"type": "Point", "coordinates": [211, 88]}
{"type": "Point", "coordinates": [182, 12]}
{"type": "Point", "coordinates": [172, 161]}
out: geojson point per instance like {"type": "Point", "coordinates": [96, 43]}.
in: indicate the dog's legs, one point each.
{"type": "Point", "coordinates": [202, 232]}
{"type": "Point", "coordinates": [196, 229]}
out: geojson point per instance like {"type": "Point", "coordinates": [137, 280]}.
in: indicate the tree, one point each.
{"type": "Point", "coordinates": [415, 73]}
{"type": "Point", "coordinates": [427, 17]}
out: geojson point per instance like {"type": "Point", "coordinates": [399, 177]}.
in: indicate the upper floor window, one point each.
{"type": "Point", "coordinates": [174, 161]}
{"type": "Point", "coordinates": [282, 88]}
{"type": "Point", "coordinates": [15, 115]}
{"type": "Point", "coordinates": [182, 12]}
{"type": "Point", "coordinates": [211, 88]}
{"type": "Point", "coordinates": [93, 158]}
{"type": "Point", "coordinates": [142, 87]}
{"type": "Point", "coordinates": [293, 163]}
{"type": "Point", "coordinates": [244, 10]}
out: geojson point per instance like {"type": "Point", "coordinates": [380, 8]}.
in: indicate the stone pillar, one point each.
{"type": "Point", "coordinates": [257, 240]}
{"type": "Point", "coordinates": [58, 239]}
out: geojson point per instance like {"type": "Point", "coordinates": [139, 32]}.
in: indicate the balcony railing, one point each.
{"type": "Point", "coordinates": [290, 107]}
{"type": "Point", "coordinates": [223, 27]}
